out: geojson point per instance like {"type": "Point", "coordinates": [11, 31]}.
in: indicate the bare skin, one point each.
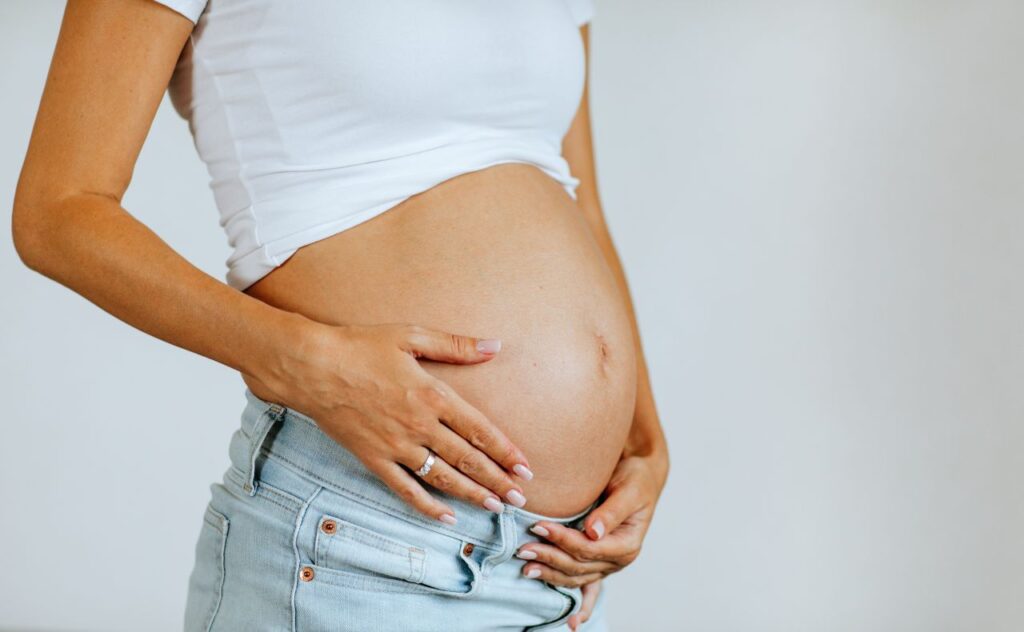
{"type": "Point", "coordinates": [504, 250]}
{"type": "Point", "coordinates": [334, 355]}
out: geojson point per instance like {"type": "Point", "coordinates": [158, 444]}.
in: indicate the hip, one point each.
{"type": "Point", "coordinates": [300, 536]}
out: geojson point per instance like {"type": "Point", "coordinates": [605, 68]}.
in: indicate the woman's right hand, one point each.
{"type": "Point", "coordinates": [365, 389]}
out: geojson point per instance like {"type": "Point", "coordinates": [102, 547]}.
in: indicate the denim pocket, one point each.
{"type": "Point", "coordinates": [206, 582]}
{"type": "Point", "coordinates": [341, 544]}
{"type": "Point", "coordinates": [357, 545]}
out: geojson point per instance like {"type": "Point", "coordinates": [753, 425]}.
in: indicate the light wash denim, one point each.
{"type": "Point", "coordinates": [300, 536]}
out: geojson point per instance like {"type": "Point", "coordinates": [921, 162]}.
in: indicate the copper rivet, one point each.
{"type": "Point", "coordinates": [329, 526]}
{"type": "Point", "coordinates": [468, 549]}
{"type": "Point", "coordinates": [306, 574]}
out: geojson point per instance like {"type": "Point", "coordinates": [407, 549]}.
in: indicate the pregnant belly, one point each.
{"type": "Point", "coordinates": [497, 253]}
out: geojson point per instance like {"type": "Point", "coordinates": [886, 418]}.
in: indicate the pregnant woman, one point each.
{"type": "Point", "coordinates": [447, 423]}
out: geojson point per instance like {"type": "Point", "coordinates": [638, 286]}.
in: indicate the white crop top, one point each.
{"type": "Point", "coordinates": [315, 116]}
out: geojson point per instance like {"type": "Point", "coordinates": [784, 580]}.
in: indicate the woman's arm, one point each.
{"type": "Point", "coordinates": [363, 384]}
{"type": "Point", "coordinates": [110, 67]}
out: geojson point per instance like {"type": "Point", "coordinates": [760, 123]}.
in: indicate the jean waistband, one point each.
{"type": "Point", "coordinates": [274, 429]}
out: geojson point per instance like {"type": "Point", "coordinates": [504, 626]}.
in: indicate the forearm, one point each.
{"type": "Point", "coordinates": [91, 245]}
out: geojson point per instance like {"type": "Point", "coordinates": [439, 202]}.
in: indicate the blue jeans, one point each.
{"type": "Point", "coordinates": [300, 536]}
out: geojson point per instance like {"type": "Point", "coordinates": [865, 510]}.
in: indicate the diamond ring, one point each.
{"type": "Point", "coordinates": [429, 463]}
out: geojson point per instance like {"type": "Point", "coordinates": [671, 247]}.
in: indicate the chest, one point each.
{"type": "Point", "coordinates": [504, 62]}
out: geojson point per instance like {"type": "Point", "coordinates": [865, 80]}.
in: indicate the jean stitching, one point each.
{"type": "Point", "coordinates": [222, 531]}
{"type": "Point", "coordinates": [265, 490]}
{"type": "Point", "coordinates": [263, 493]}
{"type": "Point", "coordinates": [348, 579]}
{"type": "Point", "coordinates": [281, 494]}
{"type": "Point", "coordinates": [356, 581]}
{"type": "Point", "coordinates": [295, 550]}
{"type": "Point", "coordinates": [237, 487]}
{"type": "Point", "coordinates": [369, 501]}
{"type": "Point", "coordinates": [384, 543]}
{"type": "Point", "coordinates": [263, 425]}
{"type": "Point", "coordinates": [323, 544]}
{"type": "Point", "coordinates": [216, 521]}
{"type": "Point", "coordinates": [417, 565]}
{"type": "Point", "coordinates": [319, 543]}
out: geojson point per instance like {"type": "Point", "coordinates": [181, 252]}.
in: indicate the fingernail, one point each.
{"type": "Point", "coordinates": [488, 345]}
{"type": "Point", "coordinates": [516, 498]}
{"type": "Point", "coordinates": [526, 554]}
{"type": "Point", "coordinates": [598, 528]}
{"type": "Point", "coordinates": [493, 504]}
{"type": "Point", "coordinates": [523, 471]}
{"type": "Point", "coordinates": [533, 573]}
{"type": "Point", "coordinates": [447, 518]}
{"type": "Point", "coordinates": [539, 530]}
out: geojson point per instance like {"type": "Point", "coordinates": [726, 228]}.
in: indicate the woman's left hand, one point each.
{"type": "Point", "coordinates": [612, 533]}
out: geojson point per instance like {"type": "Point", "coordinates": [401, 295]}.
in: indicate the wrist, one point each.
{"type": "Point", "coordinates": [281, 342]}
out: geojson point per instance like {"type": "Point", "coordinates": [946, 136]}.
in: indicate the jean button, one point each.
{"type": "Point", "coordinates": [468, 549]}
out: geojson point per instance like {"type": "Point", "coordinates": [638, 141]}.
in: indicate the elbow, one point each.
{"type": "Point", "coordinates": [28, 234]}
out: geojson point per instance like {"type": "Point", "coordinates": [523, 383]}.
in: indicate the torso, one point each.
{"type": "Point", "coordinates": [502, 252]}
{"type": "Point", "coordinates": [396, 162]}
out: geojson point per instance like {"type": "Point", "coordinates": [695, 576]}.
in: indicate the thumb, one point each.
{"type": "Point", "coordinates": [607, 517]}
{"type": "Point", "coordinates": [448, 347]}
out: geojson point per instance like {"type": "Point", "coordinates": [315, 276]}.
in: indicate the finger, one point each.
{"type": "Point", "coordinates": [409, 489]}
{"type": "Point", "coordinates": [450, 481]}
{"type": "Point", "coordinates": [590, 593]}
{"type": "Point", "coordinates": [448, 347]}
{"type": "Point", "coordinates": [578, 545]}
{"type": "Point", "coordinates": [559, 560]}
{"type": "Point", "coordinates": [477, 429]}
{"type": "Point", "coordinates": [551, 576]}
{"type": "Point", "coordinates": [476, 465]}
{"type": "Point", "coordinates": [620, 504]}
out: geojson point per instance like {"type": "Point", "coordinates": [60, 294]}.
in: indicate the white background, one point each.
{"type": "Point", "coordinates": [820, 208]}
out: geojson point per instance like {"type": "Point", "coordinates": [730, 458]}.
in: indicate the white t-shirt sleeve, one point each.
{"type": "Point", "coordinates": [582, 10]}
{"type": "Point", "coordinates": [191, 9]}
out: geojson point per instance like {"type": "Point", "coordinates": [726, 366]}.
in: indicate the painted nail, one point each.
{"type": "Point", "coordinates": [516, 498]}
{"type": "Point", "coordinates": [526, 554]}
{"type": "Point", "coordinates": [493, 504]}
{"type": "Point", "coordinates": [523, 471]}
{"type": "Point", "coordinates": [533, 573]}
{"type": "Point", "coordinates": [539, 530]}
{"type": "Point", "coordinates": [488, 345]}
{"type": "Point", "coordinates": [598, 528]}
{"type": "Point", "coordinates": [447, 518]}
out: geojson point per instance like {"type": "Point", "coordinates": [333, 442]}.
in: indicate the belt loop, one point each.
{"type": "Point", "coordinates": [274, 413]}
{"type": "Point", "coordinates": [507, 528]}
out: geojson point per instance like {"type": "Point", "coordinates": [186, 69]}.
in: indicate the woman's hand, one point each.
{"type": "Point", "coordinates": [612, 533]}
{"type": "Point", "coordinates": [365, 389]}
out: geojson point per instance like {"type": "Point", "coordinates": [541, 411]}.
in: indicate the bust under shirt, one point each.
{"type": "Point", "coordinates": [315, 116]}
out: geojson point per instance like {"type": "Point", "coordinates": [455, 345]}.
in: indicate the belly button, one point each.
{"type": "Point", "coordinates": [604, 352]}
